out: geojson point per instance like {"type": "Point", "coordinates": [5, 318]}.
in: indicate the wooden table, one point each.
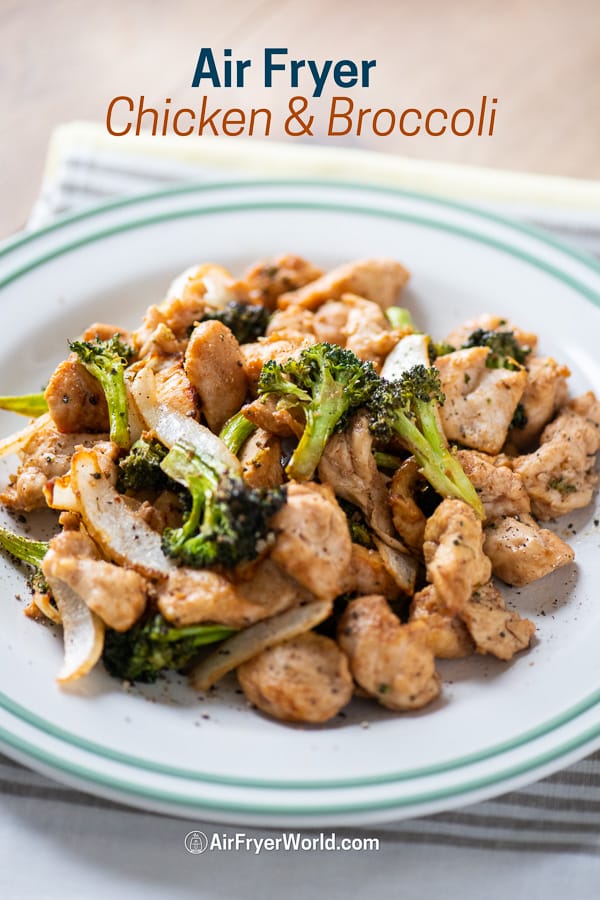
{"type": "Point", "coordinates": [541, 58]}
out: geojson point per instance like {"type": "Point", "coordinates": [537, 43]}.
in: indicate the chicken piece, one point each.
{"type": "Point", "coordinates": [305, 679]}
{"type": "Point", "coordinates": [367, 331]}
{"type": "Point", "coordinates": [487, 322]}
{"type": "Point", "coordinates": [117, 595]}
{"type": "Point", "coordinates": [313, 541]}
{"type": "Point", "coordinates": [380, 280]}
{"type": "Point", "coordinates": [45, 456]}
{"type": "Point", "coordinates": [348, 465]}
{"type": "Point", "coordinates": [261, 460]}
{"type": "Point", "coordinates": [329, 322]}
{"type": "Point", "coordinates": [559, 476]}
{"type": "Point", "coordinates": [265, 413]}
{"type": "Point", "coordinates": [367, 574]}
{"type": "Point", "coordinates": [103, 332]}
{"type": "Point", "coordinates": [390, 661]}
{"type": "Point", "coordinates": [480, 402]}
{"type": "Point", "coordinates": [408, 519]}
{"type": "Point", "coordinates": [215, 367]}
{"type": "Point", "coordinates": [447, 635]}
{"type": "Point", "coordinates": [188, 297]}
{"type": "Point", "coordinates": [454, 557]}
{"type": "Point", "coordinates": [280, 349]}
{"type": "Point", "coordinates": [196, 596]}
{"type": "Point", "coordinates": [291, 321]}
{"type": "Point", "coordinates": [265, 281]}
{"type": "Point", "coordinates": [544, 394]}
{"type": "Point", "coordinates": [75, 399]}
{"type": "Point", "coordinates": [521, 551]}
{"type": "Point", "coordinates": [500, 489]}
{"type": "Point", "coordinates": [173, 387]}
{"type": "Point", "coordinates": [495, 629]}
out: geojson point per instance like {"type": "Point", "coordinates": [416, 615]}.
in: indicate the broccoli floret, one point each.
{"type": "Point", "coordinates": [399, 317]}
{"type": "Point", "coordinates": [151, 647]}
{"type": "Point", "coordinates": [247, 321]}
{"type": "Point", "coordinates": [236, 431]}
{"type": "Point", "coordinates": [228, 521]}
{"type": "Point", "coordinates": [506, 352]}
{"type": "Point", "coordinates": [106, 361]}
{"type": "Point", "coordinates": [439, 348]}
{"type": "Point", "coordinates": [357, 525]}
{"type": "Point", "coordinates": [28, 551]}
{"type": "Point", "coordinates": [33, 405]}
{"type": "Point", "coordinates": [519, 419]}
{"type": "Point", "coordinates": [407, 409]}
{"type": "Point", "coordinates": [140, 470]}
{"type": "Point", "coordinates": [328, 383]}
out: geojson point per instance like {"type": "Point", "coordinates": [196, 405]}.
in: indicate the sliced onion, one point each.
{"type": "Point", "coordinates": [83, 632]}
{"type": "Point", "coordinates": [412, 350]}
{"type": "Point", "coordinates": [243, 646]}
{"type": "Point", "coordinates": [15, 442]}
{"type": "Point", "coordinates": [135, 422]}
{"type": "Point", "coordinates": [59, 494]}
{"type": "Point", "coordinates": [42, 601]}
{"type": "Point", "coordinates": [172, 427]}
{"type": "Point", "coordinates": [123, 536]}
{"type": "Point", "coordinates": [401, 566]}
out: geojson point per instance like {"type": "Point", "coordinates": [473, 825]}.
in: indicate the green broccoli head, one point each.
{"type": "Point", "coordinates": [408, 409]}
{"type": "Point", "coordinates": [228, 522]}
{"type": "Point", "coordinates": [154, 646]}
{"type": "Point", "coordinates": [106, 361]}
{"type": "Point", "coordinates": [328, 383]}
{"type": "Point", "coordinates": [140, 470]}
{"type": "Point", "coordinates": [506, 352]}
{"type": "Point", "coordinates": [357, 525]}
{"type": "Point", "coordinates": [247, 321]}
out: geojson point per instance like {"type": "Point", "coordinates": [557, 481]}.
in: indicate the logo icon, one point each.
{"type": "Point", "coordinates": [196, 842]}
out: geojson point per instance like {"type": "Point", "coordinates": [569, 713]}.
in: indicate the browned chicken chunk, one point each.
{"type": "Point", "coordinates": [75, 399]}
{"type": "Point", "coordinates": [408, 518]}
{"type": "Point", "coordinates": [453, 550]}
{"type": "Point", "coordinates": [265, 281]}
{"type": "Point", "coordinates": [173, 387]}
{"type": "Point", "coordinates": [305, 679]}
{"type": "Point", "coordinates": [390, 661]}
{"type": "Point", "coordinates": [379, 280]}
{"type": "Point", "coordinates": [480, 402]}
{"type": "Point", "coordinates": [521, 551]}
{"type": "Point", "coordinates": [313, 541]}
{"type": "Point", "coordinates": [560, 475]}
{"type": "Point", "coordinates": [215, 367]}
{"type": "Point", "coordinates": [447, 635]}
{"type": "Point", "coordinates": [495, 629]}
{"type": "Point", "coordinates": [261, 460]}
{"type": "Point", "coordinates": [545, 392]}
{"type": "Point", "coordinates": [500, 489]}
{"type": "Point", "coordinates": [367, 574]}
{"type": "Point", "coordinates": [117, 595]}
{"type": "Point", "coordinates": [194, 596]}
{"type": "Point", "coordinates": [280, 349]}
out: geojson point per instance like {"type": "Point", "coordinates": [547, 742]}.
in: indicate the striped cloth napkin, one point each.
{"type": "Point", "coordinates": [539, 842]}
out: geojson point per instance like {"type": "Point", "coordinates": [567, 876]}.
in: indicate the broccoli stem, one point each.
{"type": "Point", "coordinates": [33, 405]}
{"type": "Point", "coordinates": [106, 361]}
{"type": "Point", "coordinates": [25, 549]}
{"type": "Point", "coordinates": [236, 431]}
{"type": "Point", "coordinates": [387, 460]}
{"type": "Point", "coordinates": [399, 317]}
{"type": "Point", "coordinates": [320, 425]}
{"type": "Point", "coordinates": [437, 464]}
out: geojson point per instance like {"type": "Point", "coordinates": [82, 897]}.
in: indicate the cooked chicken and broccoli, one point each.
{"type": "Point", "coordinates": [283, 476]}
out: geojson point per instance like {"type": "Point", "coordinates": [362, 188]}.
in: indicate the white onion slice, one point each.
{"type": "Point", "coordinates": [42, 601]}
{"type": "Point", "coordinates": [243, 646]}
{"type": "Point", "coordinates": [172, 427]}
{"type": "Point", "coordinates": [401, 566]}
{"type": "Point", "coordinates": [122, 535]}
{"type": "Point", "coordinates": [83, 632]}
{"type": "Point", "coordinates": [412, 350]}
{"type": "Point", "coordinates": [59, 494]}
{"type": "Point", "coordinates": [15, 442]}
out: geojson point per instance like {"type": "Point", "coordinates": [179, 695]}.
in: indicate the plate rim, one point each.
{"type": "Point", "coordinates": [588, 293]}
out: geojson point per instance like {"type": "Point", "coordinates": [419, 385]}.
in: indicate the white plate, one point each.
{"type": "Point", "coordinates": [496, 726]}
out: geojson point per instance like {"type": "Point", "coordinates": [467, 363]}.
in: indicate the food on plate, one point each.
{"type": "Point", "coordinates": [281, 475]}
